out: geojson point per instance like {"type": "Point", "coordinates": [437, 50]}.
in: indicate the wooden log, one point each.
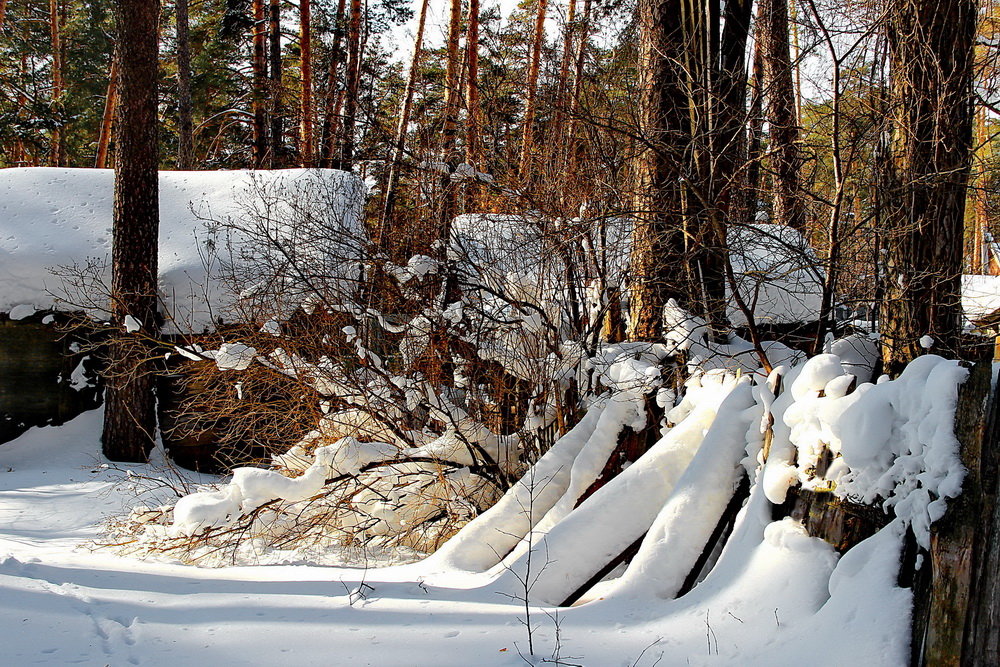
{"type": "Point", "coordinates": [841, 523]}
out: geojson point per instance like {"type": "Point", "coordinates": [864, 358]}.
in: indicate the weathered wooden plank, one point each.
{"type": "Point", "coordinates": [981, 642]}
{"type": "Point", "coordinates": [954, 538]}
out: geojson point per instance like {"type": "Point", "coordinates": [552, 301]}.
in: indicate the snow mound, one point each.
{"type": "Point", "coordinates": [51, 218]}
{"type": "Point", "coordinates": [774, 265]}
{"type": "Point", "coordinates": [980, 296]}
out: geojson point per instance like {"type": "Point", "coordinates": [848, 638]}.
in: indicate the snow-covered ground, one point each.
{"type": "Point", "coordinates": [775, 596]}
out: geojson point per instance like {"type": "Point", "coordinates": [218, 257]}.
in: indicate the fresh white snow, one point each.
{"type": "Point", "coordinates": [51, 219]}
{"type": "Point", "coordinates": [772, 595]}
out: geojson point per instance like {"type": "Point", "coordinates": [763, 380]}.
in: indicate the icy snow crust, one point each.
{"type": "Point", "coordinates": [773, 591]}
{"type": "Point", "coordinates": [53, 218]}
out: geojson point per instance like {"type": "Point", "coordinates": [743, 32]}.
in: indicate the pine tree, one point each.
{"type": "Point", "coordinates": [931, 69]}
{"type": "Point", "coordinates": [129, 411]}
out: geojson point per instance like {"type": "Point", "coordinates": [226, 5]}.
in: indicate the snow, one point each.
{"type": "Point", "coordinates": [21, 311]}
{"type": "Point", "coordinates": [131, 324]}
{"type": "Point", "coordinates": [980, 296]}
{"type": "Point", "coordinates": [772, 592]}
{"type": "Point", "coordinates": [234, 356]}
{"type": "Point", "coordinates": [52, 218]}
{"type": "Point", "coordinates": [251, 488]}
{"type": "Point", "coordinates": [892, 442]}
{"type": "Point", "coordinates": [775, 267]}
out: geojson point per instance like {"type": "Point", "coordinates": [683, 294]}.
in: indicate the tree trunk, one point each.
{"type": "Point", "coordinates": [392, 182]}
{"type": "Point", "coordinates": [931, 49]}
{"type": "Point", "coordinates": [452, 95]}
{"type": "Point", "coordinates": [731, 92]}
{"type": "Point", "coordinates": [185, 124]}
{"type": "Point", "coordinates": [346, 158]}
{"type": "Point", "coordinates": [129, 415]}
{"type": "Point", "coordinates": [572, 146]}
{"type": "Point", "coordinates": [569, 32]}
{"type": "Point", "coordinates": [473, 120]}
{"type": "Point", "coordinates": [277, 133]}
{"type": "Point", "coordinates": [726, 83]}
{"type": "Point", "coordinates": [658, 250]}
{"type": "Point", "coordinates": [784, 132]}
{"type": "Point", "coordinates": [331, 116]}
{"type": "Point", "coordinates": [306, 111]}
{"type": "Point", "coordinates": [528, 138]}
{"type": "Point", "coordinates": [260, 139]}
{"type": "Point", "coordinates": [55, 154]}
{"type": "Point", "coordinates": [755, 131]}
{"type": "Point", "coordinates": [104, 138]}
{"type": "Point", "coordinates": [978, 262]}
{"type": "Point", "coordinates": [473, 149]}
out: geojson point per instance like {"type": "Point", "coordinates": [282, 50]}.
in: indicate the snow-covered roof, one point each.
{"type": "Point", "coordinates": [53, 218]}
{"type": "Point", "coordinates": [776, 269]}
{"type": "Point", "coordinates": [980, 296]}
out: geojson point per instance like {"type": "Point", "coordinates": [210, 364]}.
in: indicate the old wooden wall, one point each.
{"type": "Point", "coordinates": [36, 365]}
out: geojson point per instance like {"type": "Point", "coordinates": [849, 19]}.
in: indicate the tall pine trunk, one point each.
{"type": "Point", "coordinates": [259, 95]}
{"type": "Point", "coordinates": [781, 117]}
{"type": "Point", "coordinates": [129, 414]}
{"type": "Point", "coordinates": [277, 129]}
{"type": "Point", "coordinates": [658, 252]}
{"type": "Point", "coordinates": [572, 143]}
{"type": "Point", "coordinates": [531, 89]}
{"type": "Point", "coordinates": [185, 123]}
{"type": "Point", "coordinates": [726, 81]}
{"type": "Point", "coordinates": [345, 160]}
{"type": "Point", "coordinates": [755, 130]}
{"type": "Point", "coordinates": [110, 100]}
{"type": "Point", "coordinates": [399, 146]}
{"type": "Point", "coordinates": [473, 147]}
{"type": "Point", "coordinates": [55, 151]}
{"type": "Point", "coordinates": [306, 99]}
{"type": "Point", "coordinates": [931, 68]}
{"type": "Point", "coordinates": [473, 118]}
{"type": "Point", "coordinates": [449, 133]}
{"type": "Point", "coordinates": [331, 117]}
